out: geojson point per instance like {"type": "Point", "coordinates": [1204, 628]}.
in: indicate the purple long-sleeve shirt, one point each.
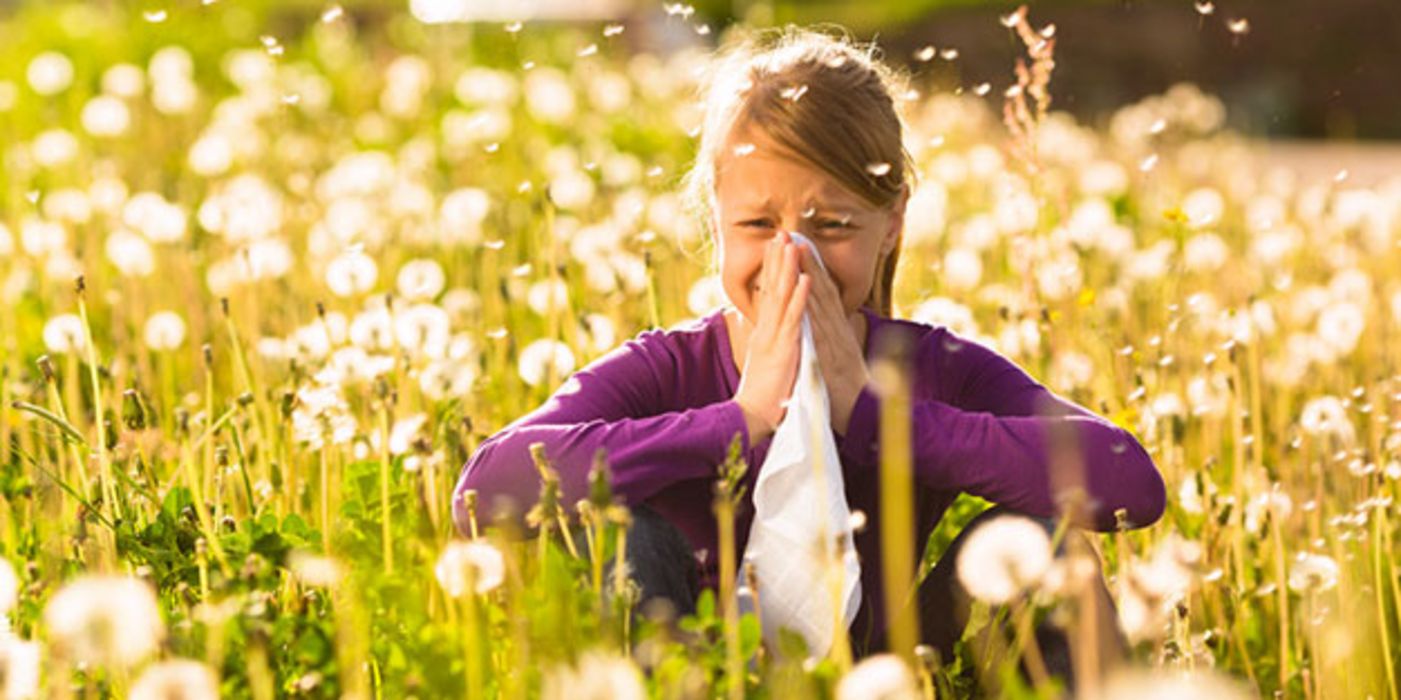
{"type": "Point", "coordinates": [661, 406]}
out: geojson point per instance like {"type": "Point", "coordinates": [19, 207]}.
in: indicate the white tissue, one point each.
{"type": "Point", "coordinates": [800, 511]}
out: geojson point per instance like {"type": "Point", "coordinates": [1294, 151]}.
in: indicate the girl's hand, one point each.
{"type": "Point", "coordinates": [839, 352]}
{"type": "Point", "coordinates": [772, 353]}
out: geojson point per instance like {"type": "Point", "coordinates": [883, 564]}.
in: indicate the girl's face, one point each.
{"type": "Point", "coordinates": [763, 190]}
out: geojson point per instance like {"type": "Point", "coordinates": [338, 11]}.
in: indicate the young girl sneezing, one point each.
{"type": "Point", "coordinates": [801, 134]}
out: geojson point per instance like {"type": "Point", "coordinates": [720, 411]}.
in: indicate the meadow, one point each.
{"type": "Point", "coordinates": [269, 273]}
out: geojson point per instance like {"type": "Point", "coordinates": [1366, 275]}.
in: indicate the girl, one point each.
{"type": "Point", "coordinates": [802, 134]}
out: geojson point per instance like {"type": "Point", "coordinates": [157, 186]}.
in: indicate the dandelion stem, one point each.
{"type": "Point", "coordinates": [386, 537]}
{"type": "Point", "coordinates": [897, 507]}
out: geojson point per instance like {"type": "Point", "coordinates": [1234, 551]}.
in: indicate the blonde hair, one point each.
{"type": "Point", "coordinates": [827, 100]}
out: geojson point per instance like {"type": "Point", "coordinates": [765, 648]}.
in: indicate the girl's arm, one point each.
{"type": "Point", "coordinates": [594, 409]}
{"type": "Point", "coordinates": [997, 443]}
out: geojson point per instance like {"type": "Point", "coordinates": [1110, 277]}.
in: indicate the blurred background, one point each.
{"type": "Point", "coordinates": [1296, 71]}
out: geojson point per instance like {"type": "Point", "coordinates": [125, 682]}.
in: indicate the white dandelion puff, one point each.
{"type": "Point", "coordinates": [180, 679]}
{"type": "Point", "coordinates": [50, 73]}
{"type": "Point", "coordinates": [164, 330]}
{"type": "Point", "coordinates": [64, 334]}
{"type": "Point", "coordinates": [542, 357]}
{"type": "Point", "coordinates": [105, 116]}
{"type": "Point", "coordinates": [879, 677]}
{"type": "Point", "coordinates": [102, 619]}
{"type": "Point", "coordinates": [314, 569]}
{"type": "Point", "coordinates": [476, 564]}
{"type": "Point", "coordinates": [597, 676]}
{"type": "Point", "coordinates": [421, 279]}
{"type": "Point", "coordinates": [1003, 557]}
{"type": "Point", "coordinates": [129, 253]}
{"type": "Point", "coordinates": [350, 273]}
{"type": "Point", "coordinates": [1313, 572]}
{"type": "Point", "coordinates": [19, 668]}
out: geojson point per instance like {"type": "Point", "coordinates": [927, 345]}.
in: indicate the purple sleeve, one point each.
{"type": "Point", "coordinates": [614, 403]}
{"type": "Point", "coordinates": [996, 442]}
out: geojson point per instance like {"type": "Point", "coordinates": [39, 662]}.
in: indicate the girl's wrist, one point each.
{"type": "Point", "coordinates": [759, 428]}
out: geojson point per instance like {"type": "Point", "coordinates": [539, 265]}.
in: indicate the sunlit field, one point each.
{"type": "Point", "coordinates": [269, 274]}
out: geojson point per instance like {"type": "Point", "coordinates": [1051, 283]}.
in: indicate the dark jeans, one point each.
{"type": "Point", "coordinates": [664, 570]}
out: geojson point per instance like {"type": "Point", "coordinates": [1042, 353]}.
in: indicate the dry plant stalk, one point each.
{"type": "Point", "coordinates": [1023, 119]}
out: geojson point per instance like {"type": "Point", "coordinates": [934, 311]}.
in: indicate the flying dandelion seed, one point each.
{"type": "Point", "coordinates": [703, 30]}
{"type": "Point", "coordinates": [271, 45]}
{"type": "Point", "coordinates": [1158, 127]}
{"type": "Point", "coordinates": [982, 89]}
{"type": "Point", "coordinates": [793, 93]}
{"type": "Point", "coordinates": [1205, 8]}
{"type": "Point", "coordinates": [589, 50]}
{"type": "Point", "coordinates": [949, 54]}
{"type": "Point", "coordinates": [332, 13]}
{"type": "Point", "coordinates": [926, 54]}
{"type": "Point", "coordinates": [878, 169]}
{"type": "Point", "coordinates": [681, 10]}
{"type": "Point", "coordinates": [1148, 163]}
{"type": "Point", "coordinates": [1239, 27]}
{"type": "Point", "coordinates": [744, 149]}
{"type": "Point", "coordinates": [1341, 175]}
{"type": "Point", "coordinates": [154, 16]}
{"type": "Point", "coordinates": [612, 30]}
{"type": "Point", "coordinates": [514, 27]}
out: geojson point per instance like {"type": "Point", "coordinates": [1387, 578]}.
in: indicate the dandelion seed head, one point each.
{"type": "Point", "coordinates": [597, 675]}
{"type": "Point", "coordinates": [1003, 557]}
{"type": "Point", "coordinates": [105, 116]}
{"type": "Point", "coordinates": [164, 331]}
{"type": "Point", "coordinates": [545, 357]}
{"type": "Point", "coordinates": [884, 676]}
{"type": "Point", "coordinates": [100, 619]}
{"type": "Point", "coordinates": [49, 73]}
{"type": "Point", "coordinates": [351, 273]}
{"type": "Point", "coordinates": [9, 586]}
{"type": "Point", "coordinates": [179, 679]}
{"type": "Point", "coordinates": [1313, 573]}
{"type": "Point", "coordinates": [421, 279]}
{"type": "Point", "coordinates": [477, 564]}
{"type": "Point", "coordinates": [54, 148]}
{"type": "Point", "coordinates": [64, 334]}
